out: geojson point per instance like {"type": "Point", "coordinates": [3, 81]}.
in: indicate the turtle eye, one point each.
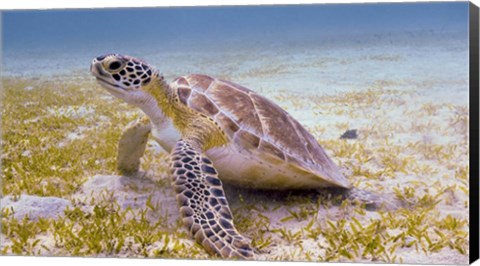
{"type": "Point", "coordinates": [114, 65]}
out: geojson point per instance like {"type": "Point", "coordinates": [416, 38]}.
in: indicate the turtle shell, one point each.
{"type": "Point", "coordinates": [256, 123]}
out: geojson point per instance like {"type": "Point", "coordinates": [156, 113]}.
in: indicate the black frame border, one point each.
{"type": "Point", "coordinates": [474, 132]}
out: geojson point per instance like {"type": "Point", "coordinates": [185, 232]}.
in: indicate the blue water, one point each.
{"type": "Point", "coordinates": [47, 33]}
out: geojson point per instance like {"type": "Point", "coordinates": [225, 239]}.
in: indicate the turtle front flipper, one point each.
{"type": "Point", "coordinates": [203, 206]}
{"type": "Point", "coordinates": [131, 146]}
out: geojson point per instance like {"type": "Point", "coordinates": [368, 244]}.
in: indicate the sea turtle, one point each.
{"type": "Point", "coordinates": [216, 131]}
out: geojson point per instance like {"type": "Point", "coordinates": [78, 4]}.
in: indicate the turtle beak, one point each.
{"type": "Point", "coordinates": [96, 68]}
{"type": "Point", "coordinates": [103, 77]}
{"type": "Point", "coordinates": [91, 65]}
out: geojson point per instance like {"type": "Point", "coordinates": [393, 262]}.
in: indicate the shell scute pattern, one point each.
{"type": "Point", "coordinates": [277, 126]}
{"type": "Point", "coordinates": [184, 94]}
{"type": "Point", "coordinates": [236, 86]}
{"type": "Point", "coordinates": [199, 82]}
{"type": "Point", "coordinates": [255, 122]}
{"type": "Point", "coordinates": [229, 126]}
{"type": "Point", "coordinates": [236, 104]}
{"type": "Point", "coordinates": [247, 139]}
{"type": "Point", "coordinates": [181, 81]}
{"type": "Point", "coordinates": [199, 102]}
{"type": "Point", "coordinates": [272, 149]}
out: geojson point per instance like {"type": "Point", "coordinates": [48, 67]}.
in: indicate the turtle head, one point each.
{"type": "Point", "coordinates": [126, 77]}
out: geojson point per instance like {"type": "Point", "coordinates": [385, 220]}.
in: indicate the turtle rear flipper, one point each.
{"type": "Point", "coordinates": [371, 200]}
{"type": "Point", "coordinates": [374, 201]}
{"type": "Point", "coordinates": [203, 206]}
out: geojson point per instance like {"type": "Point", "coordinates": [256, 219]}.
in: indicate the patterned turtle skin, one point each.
{"type": "Point", "coordinates": [216, 131]}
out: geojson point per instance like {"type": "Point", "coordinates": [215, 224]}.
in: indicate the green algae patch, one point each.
{"type": "Point", "coordinates": [57, 134]}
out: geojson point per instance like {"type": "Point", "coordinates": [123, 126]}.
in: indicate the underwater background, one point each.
{"type": "Point", "coordinates": [62, 40]}
{"type": "Point", "coordinates": [396, 74]}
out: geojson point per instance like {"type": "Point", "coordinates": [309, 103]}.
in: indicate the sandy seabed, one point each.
{"type": "Point", "coordinates": [408, 104]}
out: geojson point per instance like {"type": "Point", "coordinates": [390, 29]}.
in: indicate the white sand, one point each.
{"type": "Point", "coordinates": [34, 206]}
